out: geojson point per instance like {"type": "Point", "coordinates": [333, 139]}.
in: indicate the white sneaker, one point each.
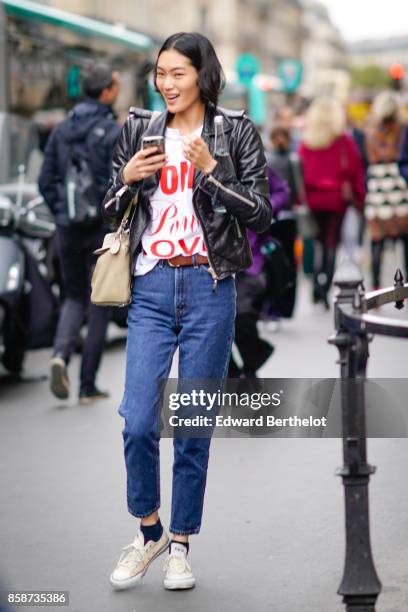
{"type": "Point", "coordinates": [178, 571]}
{"type": "Point", "coordinates": [135, 560]}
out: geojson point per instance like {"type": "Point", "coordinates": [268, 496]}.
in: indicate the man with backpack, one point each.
{"type": "Point", "coordinates": [73, 181]}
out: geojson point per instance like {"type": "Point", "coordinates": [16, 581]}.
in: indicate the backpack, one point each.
{"type": "Point", "coordinates": [80, 189]}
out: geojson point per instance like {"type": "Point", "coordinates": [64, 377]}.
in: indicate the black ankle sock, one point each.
{"type": "Point", "coordinates": [152, 532]}
{"type": "Point", "coordinates": [185, 544]}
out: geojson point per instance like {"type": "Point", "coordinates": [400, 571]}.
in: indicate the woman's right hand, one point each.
{"type": "Point", "coordinates": [143, 164]}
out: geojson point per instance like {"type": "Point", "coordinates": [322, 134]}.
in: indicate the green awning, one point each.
{"type": "Point", "coordinates": [120, 34]}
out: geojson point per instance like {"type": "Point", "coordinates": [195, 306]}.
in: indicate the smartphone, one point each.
{"type": "Point", "coordinates": [154, 141]}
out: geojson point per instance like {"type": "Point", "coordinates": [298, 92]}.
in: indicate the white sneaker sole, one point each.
{"type": "Point", "coordinates": [174, 585]}
{"type": "Point", "coordinates": [121, 585]}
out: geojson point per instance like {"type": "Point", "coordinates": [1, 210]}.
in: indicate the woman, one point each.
{"type": "Point", "coordinates": [184, 258]}
{"type": "Point", "coordinates": [334, 179]}
{"type": "Point", "coordinates": [386, 151]}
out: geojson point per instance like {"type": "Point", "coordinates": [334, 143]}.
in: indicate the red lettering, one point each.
{"type": "Point", "coordinates": [194, 222]}
{"type": "Point", "coordinates": [189, 251]}
{"type": "Point", "coordinates": [157, 245]}
{"type": "Point", "coordinates": [169, 173]}
{"type": "Point", "coordinates": [184, 169]}
{"type": "Point", "coordinates": [168, 213]}
{"type": "Point", "coordinates": [190, 176]}
{"type": "Point", "coordinates": [173, 226]}
{"type": "Point", "coordinates": [169, 182]}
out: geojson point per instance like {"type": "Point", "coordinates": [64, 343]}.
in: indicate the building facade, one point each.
{"type": "Point", "coordinates": [324, 54]}
{"type": "Point", "coordinates": [269, 29]}
{"type": "Point", "coordinates": [380, 52]}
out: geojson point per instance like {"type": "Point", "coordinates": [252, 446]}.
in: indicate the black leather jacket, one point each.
{"type": "Point", "coordinates": [239, 183]}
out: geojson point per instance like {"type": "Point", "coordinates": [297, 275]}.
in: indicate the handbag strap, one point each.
{"type": "Point", "coordinates": [133, 201]}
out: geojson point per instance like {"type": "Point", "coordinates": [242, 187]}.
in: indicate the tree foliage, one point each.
{"type": "Point", "coordinates": [370, 76]}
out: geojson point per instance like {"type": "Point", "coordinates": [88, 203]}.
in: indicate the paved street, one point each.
{"type": "Point", "coordinates": [273, 535]}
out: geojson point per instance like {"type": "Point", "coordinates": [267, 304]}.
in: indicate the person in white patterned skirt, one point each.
{"type": "Point", "coordinates": [386, 205]}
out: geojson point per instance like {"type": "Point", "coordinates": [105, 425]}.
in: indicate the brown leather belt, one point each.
{"type": "Point", "coordinates": [186, 260]}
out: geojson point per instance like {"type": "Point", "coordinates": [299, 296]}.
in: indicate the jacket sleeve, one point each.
{"type": "Point", "coordinates": [243, 190]}
{"type": "Point", "coordinates": [278, 191]}
{"type": "Point", "coordinates": [119, 194]}
{"type": "Point", "coordinates": [50, 175]}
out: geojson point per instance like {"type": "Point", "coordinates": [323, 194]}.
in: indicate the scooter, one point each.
{"type": "Point", "coordinates": [28, 297]}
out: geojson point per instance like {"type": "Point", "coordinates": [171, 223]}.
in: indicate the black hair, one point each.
{"type": "Point", "coordinates": [97, 78]}
{"type": "Point", "coordinates": [199, 50]}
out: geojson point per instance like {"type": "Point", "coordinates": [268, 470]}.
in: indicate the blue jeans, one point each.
{"type": "Point", "coordinates": [170, 308]}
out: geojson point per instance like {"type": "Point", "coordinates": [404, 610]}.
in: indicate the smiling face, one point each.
{"type": "Point", "coordinates": [176, 80]}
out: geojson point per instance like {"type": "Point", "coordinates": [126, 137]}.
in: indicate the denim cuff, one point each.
{"type": "Point", "coordinates": [142, 514]}
{"type": "Point", "coordinates": [191, 531]}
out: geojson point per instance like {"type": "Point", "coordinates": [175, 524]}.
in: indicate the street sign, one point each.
{"type": "Point", "coordinates": [247, 67]}
{"type": "Point", "coordinates": [256, 103]}
{"type": "Point", "coordinates": [290, 72]}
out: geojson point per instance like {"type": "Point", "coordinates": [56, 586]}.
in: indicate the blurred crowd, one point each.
{"type": "Point", "coordinates": [330, 182]}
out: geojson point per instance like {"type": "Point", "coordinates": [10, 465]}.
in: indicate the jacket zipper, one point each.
{"type": "Point", "coordinates": [212, 270]}
{"type": "Point", "coordinates": [238, 228]}
{"type": "Point", "coordinates": [230, 192]}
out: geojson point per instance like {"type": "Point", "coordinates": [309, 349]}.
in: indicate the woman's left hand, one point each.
{"type": "Point", "coordinates": [197, 152]}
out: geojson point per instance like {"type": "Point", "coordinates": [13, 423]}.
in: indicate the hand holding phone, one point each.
{"type": "Point", "coordinates": [147, 161]}
{"type": "Point", "coordinates": [153, 141]}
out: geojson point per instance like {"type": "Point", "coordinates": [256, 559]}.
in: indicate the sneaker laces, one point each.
{"type": "Point", "coordinates": [177, 564]}
{"type": "Point", "coordinates": [132, 553]}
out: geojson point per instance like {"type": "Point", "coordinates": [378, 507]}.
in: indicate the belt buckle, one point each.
{"type": "Point", "coordinates": [172, 265]}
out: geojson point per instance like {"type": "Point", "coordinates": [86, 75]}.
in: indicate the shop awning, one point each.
{"type": "Point", "coordinates": [117, 33]}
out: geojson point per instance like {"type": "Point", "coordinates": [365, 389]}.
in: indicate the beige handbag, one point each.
{"type": "Point", "coordinates": [111, 278]}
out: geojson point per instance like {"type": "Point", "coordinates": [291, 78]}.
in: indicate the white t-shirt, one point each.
{"type": "Point", "coordinates": [174, 228]}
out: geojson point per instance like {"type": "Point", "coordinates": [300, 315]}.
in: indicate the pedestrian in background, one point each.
{"type": "Point", "coordinates": [288, 166]}
{"type": "Point", "coordinates": [254, 294]}
{"type": "Point", "coordinates": [73, 181]}
{"type": "Point", "coordinates": [285, 118]}
{"type": "Point", "coordinates": [334, 179]}
{"type": "Point", "coordinates": [386, 147]}
{"type": "Point", "coordinates": [188, 239]}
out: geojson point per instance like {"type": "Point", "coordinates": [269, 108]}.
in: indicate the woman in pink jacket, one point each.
{"type": "Point", "coordinates": [334, 179]}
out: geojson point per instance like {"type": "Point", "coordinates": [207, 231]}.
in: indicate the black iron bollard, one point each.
{"type": "Point", "coordinates": [360, 585]}
{"type": "Point", "coordinates": [399, 282]}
